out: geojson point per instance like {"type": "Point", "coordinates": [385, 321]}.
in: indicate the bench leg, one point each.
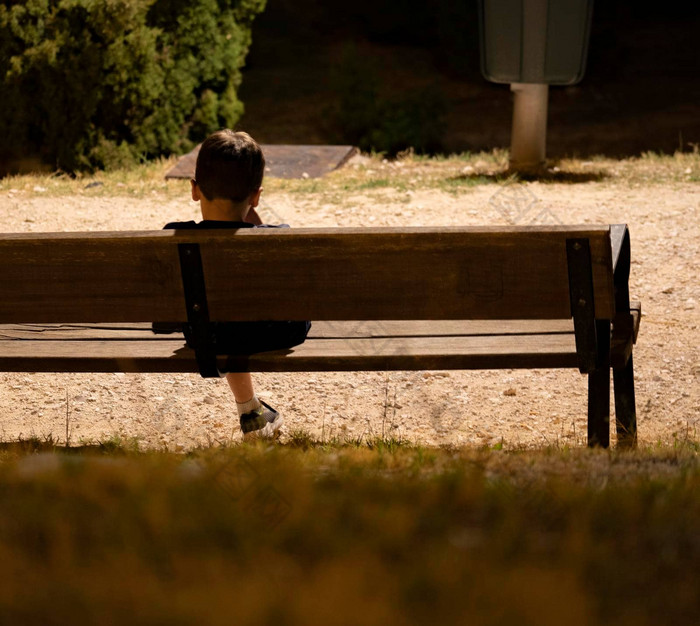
{"type": "Point", "coordinates": [599, 391]}
{"type": "Point", "coordinates": [625, 411]}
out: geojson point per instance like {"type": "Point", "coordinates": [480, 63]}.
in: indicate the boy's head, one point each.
{"type": "Point", "coordinates": [230, 166]}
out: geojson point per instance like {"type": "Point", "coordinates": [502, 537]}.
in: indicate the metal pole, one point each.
{"type": "Point", "coordinates": [528, 142]}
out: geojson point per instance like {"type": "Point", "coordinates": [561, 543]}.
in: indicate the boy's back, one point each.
{"type": "Point", "coordinates": [228, 184]}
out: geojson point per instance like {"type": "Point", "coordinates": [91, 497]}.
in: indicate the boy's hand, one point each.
{"type": "Point", "coordinates": [253, 217]}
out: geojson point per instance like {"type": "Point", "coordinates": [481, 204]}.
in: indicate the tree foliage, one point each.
{"type": "Point", "coordinates": [101, 83]}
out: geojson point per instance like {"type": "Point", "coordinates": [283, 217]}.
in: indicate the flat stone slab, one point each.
{"type": "Point", "coordinates": [283, 161]}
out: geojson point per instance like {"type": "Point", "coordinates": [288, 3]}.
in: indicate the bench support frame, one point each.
{"type": "Point", "coordinates": [197, 309]}
{"type": "Point", "coordinates": [595, 339]}
{"type": "Point", "coordinates": [623, 328]}
{"type": "Point", "coordinates": [592, 341]}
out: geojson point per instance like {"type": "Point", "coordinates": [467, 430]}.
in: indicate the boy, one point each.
{"type": "Point", "coordinates": [227, 184]}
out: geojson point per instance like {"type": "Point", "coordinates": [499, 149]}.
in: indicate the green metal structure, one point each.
{"type": "Point", "coordinates": [534, 41]}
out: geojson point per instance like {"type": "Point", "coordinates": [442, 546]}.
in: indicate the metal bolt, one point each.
{"type": "Point", "coordinates": [577, 246]}
{"type": "Point", "coordinates": [581, 302]}
{"type": "Point", "coordinates": [196, 308]}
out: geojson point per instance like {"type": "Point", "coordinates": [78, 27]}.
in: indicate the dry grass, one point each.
{"type": "Point", "coordinates": [384, 533]}
{"type": "Point", "coordinates": [408, 173]}
{"type": "Point", "coordinates": [146, 179]}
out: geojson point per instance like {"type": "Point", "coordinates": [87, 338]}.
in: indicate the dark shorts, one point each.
{"type": "Point", "coordinates": [245, 337]}
{"type": "Point", "coordinates": [252, 337]}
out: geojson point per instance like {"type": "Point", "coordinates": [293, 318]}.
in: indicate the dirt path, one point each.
{"type": "Point", "coordinates": [518, 408]}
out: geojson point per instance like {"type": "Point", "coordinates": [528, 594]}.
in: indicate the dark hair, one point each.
{"type": "Point", "coordinates": [229, 165]}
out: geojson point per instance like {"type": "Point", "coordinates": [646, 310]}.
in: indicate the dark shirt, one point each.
{"type": "Point", "coordinates": [214, 224]}
{"type": "Point", "coordinates": [241, 337]}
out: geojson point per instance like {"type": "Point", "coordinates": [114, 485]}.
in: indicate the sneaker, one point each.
{"type": "Point", "coordinates": [263, 422]}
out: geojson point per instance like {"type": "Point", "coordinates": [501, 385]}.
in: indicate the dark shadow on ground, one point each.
{"type": "Point", "coordinates": [35, 445]}
{"type": "Point", "coordinates": [548, 176]}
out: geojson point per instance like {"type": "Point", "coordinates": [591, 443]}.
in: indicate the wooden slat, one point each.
{"type": "Point", "coordinates": [624, 338]}
{"type": "Point", "coordinates": [81, 332]}
{"type": "Point", "coordinates": [362, 273]}
{"type": "Point", "coordinates": [636, 311]}
{"type": "Point", "coordinates": [316, 354]}
{"type": "Point", "coordinates": [444, 328]}
{"type": "Point", "coordinates": [418, 353]}
{"type": "Point", "coordinates": [89, 277]}
{"type": "Point", "coordinates": [442, 273]}
{"type": "Point", "coordinates": [329, 330]}
{"type": "Point", "coordinates": [96, 356]}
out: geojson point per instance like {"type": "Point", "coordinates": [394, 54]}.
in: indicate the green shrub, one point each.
{"type": "Point", "coordinates": [102, 83]}
{"type": "Point", "coordinates": [373, 121]}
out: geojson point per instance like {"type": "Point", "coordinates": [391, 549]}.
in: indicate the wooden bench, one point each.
{"type": "Point", "coordinates": [379, 298]}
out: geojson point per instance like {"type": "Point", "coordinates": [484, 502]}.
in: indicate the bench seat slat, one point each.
{"type": "Point", "coordinates": [338, 346]}
{"type": "Point", "coordinates": [392, 328]}
{"type": "Point", "coordinates": [419, 353]}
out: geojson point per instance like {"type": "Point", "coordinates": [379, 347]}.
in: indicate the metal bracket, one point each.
{"type": "Point", "coordinates": [623, 324]}
{"type": "Point", "coordinates": [578, 254]}
{"type": "Point", "coordinates": [197, 309]}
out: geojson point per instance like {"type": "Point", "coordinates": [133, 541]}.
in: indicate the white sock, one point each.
{"type": "Point", "coordinates": [247, 407]}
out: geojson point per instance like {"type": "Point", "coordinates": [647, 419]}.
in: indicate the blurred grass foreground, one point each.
{"type": "Point", "coordinates": [343, 534]}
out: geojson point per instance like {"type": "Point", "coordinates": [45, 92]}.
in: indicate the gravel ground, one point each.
{"type": "Point", "coordinates": [516, 408]}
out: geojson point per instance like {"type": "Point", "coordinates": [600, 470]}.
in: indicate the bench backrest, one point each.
{"type": "Point", "coordinates": [317, 274]}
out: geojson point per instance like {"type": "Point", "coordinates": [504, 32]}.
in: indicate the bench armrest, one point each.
{"type": "Point", "coordinates": [625, 329]}
{"type": "Point", "coordinates": [627, 314]}
{"type": "Point", "coordinates": [619, 236]}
